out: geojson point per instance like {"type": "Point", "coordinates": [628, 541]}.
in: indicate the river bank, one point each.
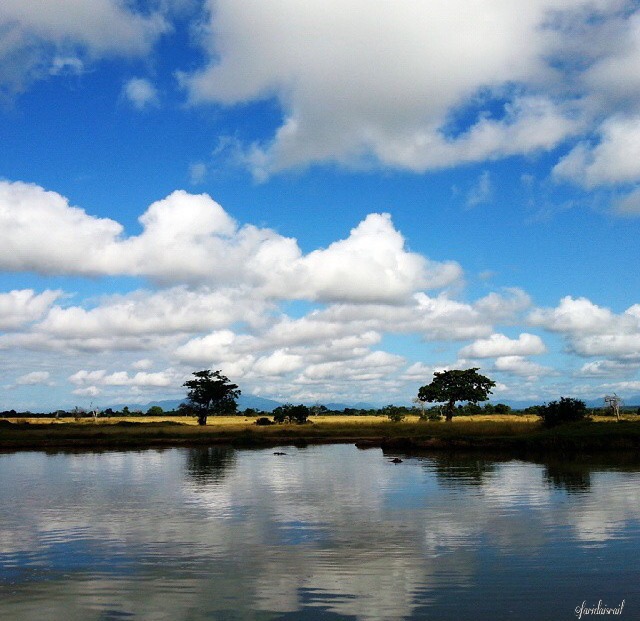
{"type": "Point", "coordinates": [511, 433]}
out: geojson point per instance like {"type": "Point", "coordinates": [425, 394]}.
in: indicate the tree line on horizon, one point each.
{"type": "Point", "coordinates": [210, 393]}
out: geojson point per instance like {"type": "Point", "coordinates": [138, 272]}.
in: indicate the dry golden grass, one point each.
{"type": "Point", "coordinates": [229, 422]}
{"type": "Point", "coordinates": [505, 431]}
{"type": "Point", "coordinates": [239, 422]}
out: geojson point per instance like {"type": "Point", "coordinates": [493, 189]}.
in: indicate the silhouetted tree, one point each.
{"type": "Point", "coordinates": [394, 413]}
{"type": "Point", "coordinates": [211, 393]}
{"type": "Point", "coordinates": [263, 421]}
{"type": "Point", "coordinates": [289, 413]}
{"type": "Point", "coordinates": [567, 410]}
{"type": "Point", "coordinates": [456, 385]}
{"type": "Point", "coordinates": [502, 408]}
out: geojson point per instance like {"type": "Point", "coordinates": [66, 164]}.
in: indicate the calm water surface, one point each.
{"type": "Point", "coordinates": [325, 532]}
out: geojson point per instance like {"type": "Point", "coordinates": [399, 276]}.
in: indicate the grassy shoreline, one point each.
{"type": "Point", "coordinates": [515, 434]}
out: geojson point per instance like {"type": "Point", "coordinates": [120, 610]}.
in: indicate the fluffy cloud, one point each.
{"type": "Point", "coordinates": [142, 364]}
{"type": "Point", "coordinates": [333, 351]}
{"type": "Point", "coordinates": [221, 346]}
{"type": "Point", "coordinates": [420, 372]}
{"type": "Point", "coordinates": [612, 345]}
{"type": "Point", "coordinates": [227, 312]}
{"type": "Point", "coordinates": [608, 368]}
{"type": "Point", "coordinates": [141, 93]}
{"type": "Point", "coordinates": [406, 85]}
{"type": "Point", "coordinates": [373, 253]}
{"type": "Point", "coordinates": [169, 311]}
{"type": "Point", "coordinates": [501, 345]}
{"type": "Point", "coordinates": [41, 232]}
{"type": "Point", "coordinates": [139, 321]}
{"type": "Point", "coordinates": [93, 383]}
{"type": "Point", "coordinates": [518, 365]}
{"type": "Point", "coordinates": [395, 80]}
{"type": "Point", "coordinates": [280, 362]}
{"type": "Point", "coordinates": [593, 330]}
{"type": "Point", "coordinates": [34, 378]}
{"type": "Point", "coordinates": [437, 318]}
{"type": "Point", "coordinates": [21, 307]}
{"type": "Point", "coordinates": [575, 315]}
{"type": "Point", "coordinates": [190, 238]}
{"type": "Point", "coordinates": [614, 54]}
{"type": "Point", "coordinates": [615, 159]}
{"type": "Point", "coordinates": [371, 367]}
{"type": "Point", "coordinates": [35, 35]}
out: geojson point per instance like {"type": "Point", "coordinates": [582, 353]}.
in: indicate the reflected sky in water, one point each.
{"type": "Point", "coordinates": [324, 532]}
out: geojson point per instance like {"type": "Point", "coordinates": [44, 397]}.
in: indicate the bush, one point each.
{"type": "Point", "coordinates": [501, 408]}
{"type": "Point", "coordinates": [431, 414]}
{"type": "Point", "coordinates": [471, 409]}
{"type": "Point", "coordinates": [263, 421]}
{"type": "Point", "coordinates": [289, 413]}
{"type": "Point", "coordinates": [567, 410]}
{"type": "Point", "coordinates": [394, 413]}
{"type": "Point", "coordinates": [396, 417]}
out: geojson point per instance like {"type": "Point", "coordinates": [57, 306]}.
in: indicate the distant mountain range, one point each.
{"type": "Point", "coordinates": [244, 402]}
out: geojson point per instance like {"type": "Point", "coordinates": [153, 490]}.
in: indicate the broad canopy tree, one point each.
{"type": "Point", "coordinates": [456, 385]}
{"type": "Point", "coordinates": [211, 393]}
{"type": "Point", "coordinates": [289, 413]}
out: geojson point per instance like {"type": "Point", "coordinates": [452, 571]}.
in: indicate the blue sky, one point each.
{"type": "Point", "coordinates": [328, 201]}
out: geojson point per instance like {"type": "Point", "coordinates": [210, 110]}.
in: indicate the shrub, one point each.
{"type": "Point", "coordinates": [567, 410]}
{"type": "Point", "coordinates": [501, 408]}
{"type": "Point", "coordinates": [263, 420]}
{"type": "Point", "coordinates": [395, 414]}
{"type": "Point", "coordinates": [431, 414]}
{"type": "Point", "coordinates": [289, 413]}
{"type": "Point", "coordinates": [471, 409]}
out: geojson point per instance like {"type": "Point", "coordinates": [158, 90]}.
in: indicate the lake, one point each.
{"type": "Point", "coordinates": [322, 532]}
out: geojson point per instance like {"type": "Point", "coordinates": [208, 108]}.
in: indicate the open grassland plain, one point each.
{"type": "Point", "coordinates": [516, 433]}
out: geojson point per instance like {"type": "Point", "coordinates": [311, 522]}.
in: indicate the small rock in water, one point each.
{"type": "Point", "coordinates": [396, 460]}
{"type": "Point", "coordinates": [277, 453]}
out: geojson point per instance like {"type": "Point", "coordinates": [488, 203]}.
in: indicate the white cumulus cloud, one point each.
{"type": "Point", "coordinates": [191, 238]}
{"type": "Point", "coordinates": [388, 80]}
{"type": "Point", "coordinates": [22, 306]}
{"type": "Point", "coordinates": [593, 330]}
{"type": "Point", "coordinates": [501, 345]}
{"type": "Point", "coordinates": [140, 379]}
{"type": "Point", "coordinates": [519, 365]}
{"type": "Point", "coordinates": [614, 159]}
{"type": "Point", "coordinates": [141, 93]}
{"type": "Point", "coordinates": [34, 378]}
{"type": "Point", "coordinates": [37, 36]}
